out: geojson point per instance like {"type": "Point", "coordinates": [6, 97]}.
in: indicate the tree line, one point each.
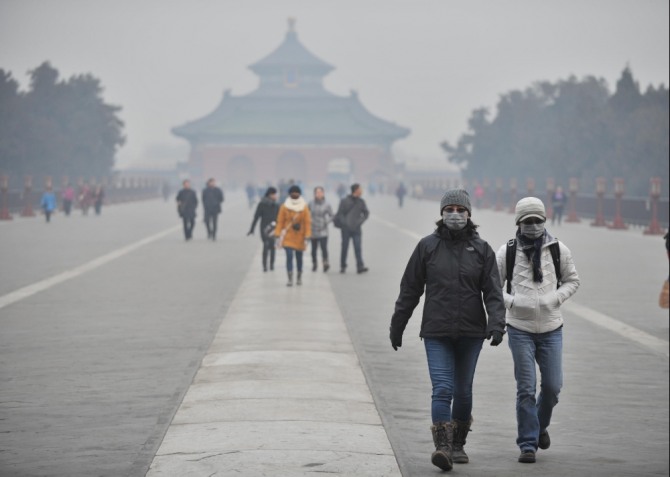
{"type": "Point", "coordinates": [571, 128]}
{"type": "Point", "coordinates": [57, 127]}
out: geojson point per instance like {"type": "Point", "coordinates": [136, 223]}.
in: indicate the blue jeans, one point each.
{"type": "Point", "coordinates": [356, 237]}
{"type": "Point", "coordinates": [289, 259]}
{"type": "Point", "coordinates": [451, 364]}
{"type": "Point", "coordinates": [533, 415]}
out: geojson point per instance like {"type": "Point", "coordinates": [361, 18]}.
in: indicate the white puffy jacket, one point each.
{"type": "Point", "coordinates": [535, 307]}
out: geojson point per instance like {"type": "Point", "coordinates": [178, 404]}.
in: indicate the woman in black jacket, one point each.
{"type": "Point", "coordinates": [456, 268]}
{"type": "Point", "coordinates": [266, 212]}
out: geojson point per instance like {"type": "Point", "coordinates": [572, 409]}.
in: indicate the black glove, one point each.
{"type": "Point", "coordinates": [396, 338]}
{"type": "Point", "coordinates": [495, 337]}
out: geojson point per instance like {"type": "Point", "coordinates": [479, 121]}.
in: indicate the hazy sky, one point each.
{"type": "Point", "coordinates": [424, 64]}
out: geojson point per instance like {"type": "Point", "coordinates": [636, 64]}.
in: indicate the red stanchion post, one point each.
{"type": "Point", "coordinates": [512, 190]}
{"type": "Point", "coordinates": [499, 186]}
{"type": "Point", "coordinates": [551, 187]}
{"type": "Point", "coordinates": [655, 194]}
{"type": "Point", "coordinates": [618, 223]}
{"type": "Point", "coordinates": [4, 198]}
{"type": "Point", "coordinates": [573, 188]}
{"type": "Point", "coordinates": [486, 202]}
{"type": "Point", "coordinates": [530, 186]}
{"type": "Point", "coordinates": [27, 198]}
{"type": "Point", "coordinates": [601, 184]}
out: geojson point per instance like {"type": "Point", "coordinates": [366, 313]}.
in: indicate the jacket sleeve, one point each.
{"type": "Point", "coordinates": [412, 286]}
{"type": "Point", "coordinates": [281, 218]}
{"type": "Point", "coordinates": [257, 216]}
{"type": "Point", "coordinates": [569, 275]}
{"type": "Point", "coordinates": [308, 223]}
{"type": "Point", "coordinates": [492, 292]}
{"type": "Point", "coordinates": [501, 259]}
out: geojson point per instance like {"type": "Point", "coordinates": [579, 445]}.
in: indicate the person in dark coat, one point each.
{"type": "Point", "coordinates": [459, 273]}
{"type": "Point", "coordinates": [212, 197]}
{"type": "Point", "coordinates": [266, 212]}
{"type": "Point", "coordinates": [351, 214]}
{"type": "Point", "coordinates": [187, 202]}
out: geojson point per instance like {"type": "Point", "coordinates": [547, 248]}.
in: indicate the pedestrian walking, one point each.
{"type": "Point", "coordinates": [322, 215]}
{"type": "Point", "coordinates": [85, 198]}
{"type": "Point", "coordinates": [251, 194]}
{"type": "Point", "coordinates": [557, 204]}
{"type": "Point", "coordinates": [400, 193]}
{"type": "Point", "coordinates": [166, 190]}
{"type": "Point", "coordinates": [98, 199]}
{"type": "Point", "coordinates": [294, 227]}
{"type": "Point", "coordinates": [187, 202]}
{"type": "Point", "coordinates": [540, 276]}
{"type": "Point", "coordinates": [212, 198]}
{"type": "Point", "coordinates": [266, 211]}
{"type": "Point", "coordinates": [351, 214]}
{"type": "Point", "coordinates": [67, 197]}
{"type": "Point", "coordinates": [457, 269]}
{"type": "Point", "coordinates": [48, 203]}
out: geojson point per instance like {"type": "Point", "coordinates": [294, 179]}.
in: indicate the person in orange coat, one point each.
{"type": "Point", "coordinates": [294, 228]}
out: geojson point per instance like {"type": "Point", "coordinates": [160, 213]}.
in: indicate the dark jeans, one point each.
{"type": "Point", "coordinates": [189, 223]}
{"type": "Point", "coordinates": [67, 206]}
{"type": "Point", "coordinates": [323, 243]}
{"type": "Point", "coordinates": [268, 249]}
{"type": "Point", "coordinates": [47, 215]}
{"type": "Point", "coordinates": [356, 237]}
{"type": "Point", "coordinates": [98, 207]}
{"type": "Point", "coordinates": [451, 364]}
{"type": "Point", "coordinates": [289, 259]}
{"type": "Point", "coordinates": [558, 214]}
{"type": "Point", "coordinates": [211, 219]}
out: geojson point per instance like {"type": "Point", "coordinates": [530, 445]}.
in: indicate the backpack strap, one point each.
{"type": "Point", "coordinates": [510, 257]}
{"type": "Point", "coordinates": [555, 250]}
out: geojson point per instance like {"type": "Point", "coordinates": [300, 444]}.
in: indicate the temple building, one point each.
{"type": "Point", "coordinates": [290, 127]}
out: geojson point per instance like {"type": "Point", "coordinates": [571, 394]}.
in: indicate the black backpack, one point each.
{"type": "Point", "coordinates": [510, 258]}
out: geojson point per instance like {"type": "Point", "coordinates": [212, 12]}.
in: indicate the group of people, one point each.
{"type": "Point", "coordinates": [473, 293]}
{"type": "Point", "coordinates": [294, 223]}
{"type": "Point", "coordinates": [187, 203]}
{"type": "Point", "coordinates": [86, 197]}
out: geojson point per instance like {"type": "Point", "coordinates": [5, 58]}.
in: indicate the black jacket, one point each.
{"type": "Point", "coordinates": [211, 200]}
{"type": "Point", "coordinates": [455, 270]}
{"type": "Point", "coordinates": [351, 213]}
{"type": "Point", "coordinates": [187, 202]}
{"type": "Point", "coordinates": [266, 210]}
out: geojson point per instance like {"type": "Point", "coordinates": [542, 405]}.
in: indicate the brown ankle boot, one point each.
{"type": "Point", "coordinates": [461, 429]}
{"type": "Point", "coordinates": [443, 439]}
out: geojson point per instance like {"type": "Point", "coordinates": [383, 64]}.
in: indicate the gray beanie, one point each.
{"type": "Point", "coordinates": [529, 207]}
{"type": "Point", "coordinates": [456, 197]}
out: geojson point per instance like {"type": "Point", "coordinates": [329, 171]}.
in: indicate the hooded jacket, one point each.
{"type": "Point", "coordinates": [456, 271]}
{"type": "Point", "coordinates": [294, 212]}
{"type": "Point", "coordinates": [532, 306]}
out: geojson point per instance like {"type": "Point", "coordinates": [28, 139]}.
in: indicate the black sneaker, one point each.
{"type": "Point", "coordinates": [527, 457]}
{"type": "Point", "coordinates": [544, 441]}
{"type": "Point", "coordinates": [362, 270]}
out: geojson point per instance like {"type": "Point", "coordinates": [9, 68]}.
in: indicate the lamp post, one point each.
{"type": "Point", "coordinates": [573, 188]}
{"type": "Point", "coordinates": [4, 199]}
{"type": "Point", "coordinates": [618, 223]}
{"type": "Point", "coordinates": [512, 192]}
{"type": "Point", "coordinates": [601, 184]}
{"type": "Point", "coordinates": [499, 185]}
{"type": "Point", "coordinates": [27, 198]}
{"type": "Point", "coordinates": [551, 187]}
{"type": "Point", "coordinates": [655, 193]}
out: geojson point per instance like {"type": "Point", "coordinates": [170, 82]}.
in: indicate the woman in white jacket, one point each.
{"type": "Point", "coordinates": [534, 320]}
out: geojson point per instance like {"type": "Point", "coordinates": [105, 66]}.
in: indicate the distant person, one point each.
{"type": "Point", "coordinates": [479, 196]}
{"type": "Point", "coordinates": [98, 199]}
{"type": "Point", "coordinates": [540, 276]}
{"type": "Point", "coordinates": [557, 204]}
{"type": "Point", "coordinates": [400, 193]}
{"type": "Point", "coordinates": [212, 198]}
{"type": "Point", "coordinates": [341, 191]}
{"type": "Point", "coordinates": [294, 227]}
{"type": "Point", "coordinates": [48, 203]}
{"type": "Point", "coordinates": [85, 197]}
{"type": "Point", "coordinates": [351, 214]}
{"type": "Point", "coordinates": [266, 211]}
{"type": "Point", "coordinates": [463, 306]}
{"type": "Point", "coordinates": [67, 197]}
{"type": "Point", "coordinates": [187, 202]}
{"type": "Point", "coordinates": [166, 190]}
{"type": "Point", "coordinates": [322, 215]}
{"type": "Point", "coordinates": [251, 194]}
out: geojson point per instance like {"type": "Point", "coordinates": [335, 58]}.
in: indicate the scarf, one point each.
{"type": "Point", "coordinates": [296, 205]}
{"type": "Point", "coordinates": [532, 248]}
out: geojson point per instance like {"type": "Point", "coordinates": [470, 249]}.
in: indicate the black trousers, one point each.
{"type": "Point", "coordinates": [189, 223]}
{"type": "Point", "coordinates": [211, 219]}
{"type": "Point", "coordinates": [356, 238]}
{"type": "Point", "coordinates": [323, 243]}
{"type": "Point", "coordinates": [268, 251]}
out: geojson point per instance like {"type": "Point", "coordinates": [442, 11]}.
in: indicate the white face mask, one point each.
{"type": "Point", "coordinates": [454, 220]}
{"type": "Point", "coordinates": [533, 231]}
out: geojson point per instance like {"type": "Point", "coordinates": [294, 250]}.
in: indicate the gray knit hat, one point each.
{"type": "Point", "coordinates": [529, 207]}
{"type": "Point", "coordinates": [456, 197]}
